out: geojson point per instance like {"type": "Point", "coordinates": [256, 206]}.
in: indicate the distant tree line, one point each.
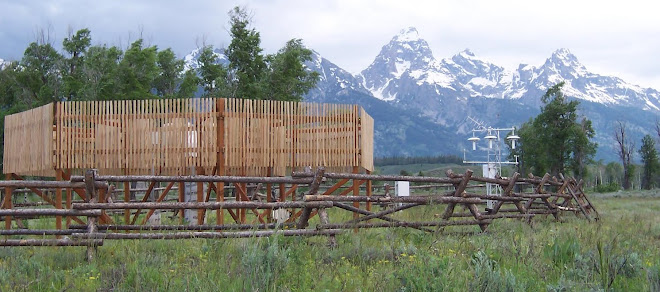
{"type": "Point", "coordinates": [402, 160]}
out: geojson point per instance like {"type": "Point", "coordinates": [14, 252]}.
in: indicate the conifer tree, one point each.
{"type": "Point", "coordinates": [650, 161]}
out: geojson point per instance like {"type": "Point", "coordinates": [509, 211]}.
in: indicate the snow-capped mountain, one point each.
{"type": "Point", "coordinates": [4, 64]}
{"type": "Point", "coordinates": [332, 81]}
{"type": "Point", "coordinates": [582, 84]}
{"type": "Point", "coordinates": [406, 69]}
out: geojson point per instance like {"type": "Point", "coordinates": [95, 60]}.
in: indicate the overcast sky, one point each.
{"type": "Point", "coordinates": [620, 38]}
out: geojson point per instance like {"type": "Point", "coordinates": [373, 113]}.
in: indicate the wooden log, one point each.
{"type": "Point", "coordinates": [37, 232]}
{"type": "Point", "coordinates": [574, 195]}
{"type": "Point", "coordinates": [496, 216]}
{"type": "Point", "coordinates": [495, 198]}
{"type": "Point", "coordinates": [382, 213]}
{"type": "Point", "coordinates": [424, 200]}
{"type": "Point", "coordinates": [48, 212]}
{"type": "Point", "coordinates": [202, 205]}
{"type": "Point", "coordinates": [209, 235]}
{"type": "Point", "coordinates": [532, 196]}
{"type": "Point", "coordinates": [46, 184]}
{"type": "Point", "coordinates": [507, 192]}
{"type": "Point", "coordinates": [50, 242]}
{"type": "Point", "coordinates": [374, 177]}
{"type": "Point", "coordinates": [459, 189]}
{"type": "Point", "coordinates": [314, 188]}
{"type": "Point", "coordinates": [187, 227]}
{"type": "Point", "coordinates": [91, 195]}
{"type": "Point", "coordinates": [197, 178]}
{"type": "Point", "coordinates": [402, 224]}
{"type": "Point", "coordinates": [365, 212]}
{"type": "Point", "coordinates": [537, 211]}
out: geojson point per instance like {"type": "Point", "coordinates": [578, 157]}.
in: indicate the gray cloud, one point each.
{"type": "Point", "coordinates": [609, 37]}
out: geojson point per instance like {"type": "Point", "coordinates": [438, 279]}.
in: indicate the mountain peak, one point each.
{"type": "Point", "coordinates": [409, 34]}
{"type": "Point", "coordinates": [564, 63]}
{"type": "Point", "coordinates": [564, 54]}
{"type": "Point", "coordinates": [467, 52]}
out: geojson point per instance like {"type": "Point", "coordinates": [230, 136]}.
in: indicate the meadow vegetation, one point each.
{"type": "Point", "coordinates": [618, 253]}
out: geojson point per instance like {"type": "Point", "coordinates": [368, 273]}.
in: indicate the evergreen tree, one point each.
{"type": "Point", "coordinates": [555, 141]}
{"type": "Point", "coordinates": [650, 160]}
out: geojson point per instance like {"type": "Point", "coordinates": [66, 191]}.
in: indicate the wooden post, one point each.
{"type": "Point", "coordinates": [69, 196]}
{"type": "Point", "coordinates": [220, 156]}
{"type": "Point", "coordinates": [220, 197]}
{"type": "Point", "coordinates": [101, 193]}
{"type": "Point", "coordinates": [269, 195]}
{"type": "Point", "coordinates": [200, 197]}
{"type": "Point", "coordinates": [7, 202]}
{"type": "Point", "coordinates": [356, 192]}
{"type": "Point", "coordinates": [282, 192]}
{"type": "Point", "coordinates": [182, 189]}
{"type": "Point", "coordinates": [90, 190]}
{"type": "Point", "coordinates": [369, 191]}
{"type": "Point", "coordinates": [127, 198]}
{"type": "Point", "coordinates": [69, 200]}
{"type": "Point", "coordinates": [58, 200]}
{"type": "Point", "coordinates": [243, 212]}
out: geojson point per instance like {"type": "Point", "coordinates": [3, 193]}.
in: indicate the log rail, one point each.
{"type": "Point", "coordinates": [300, 198]}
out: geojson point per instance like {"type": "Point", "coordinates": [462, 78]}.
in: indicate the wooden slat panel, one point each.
{"type": "Point", "coordinates": [174, 136]}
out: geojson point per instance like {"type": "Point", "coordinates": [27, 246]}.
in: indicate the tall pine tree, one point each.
{"type": "Point", "coordinates": [650, 161]}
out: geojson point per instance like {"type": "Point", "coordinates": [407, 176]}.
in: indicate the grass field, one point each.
{"type": "Point", "coordinates": [619, 253]}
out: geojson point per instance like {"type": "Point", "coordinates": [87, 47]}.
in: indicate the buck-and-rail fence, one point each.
{"type": "Point", "coordinates": [251, 207]}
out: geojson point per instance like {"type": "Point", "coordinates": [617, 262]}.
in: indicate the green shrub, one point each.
{"type": "Point", "coordinates": [608, 188]}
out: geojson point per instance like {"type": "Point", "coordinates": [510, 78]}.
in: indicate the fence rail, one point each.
{"type": "Point", "coordinates": [535, 196]}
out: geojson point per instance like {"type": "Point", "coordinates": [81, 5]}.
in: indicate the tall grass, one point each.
{"type": "Point", "coordinates": [618, 253]}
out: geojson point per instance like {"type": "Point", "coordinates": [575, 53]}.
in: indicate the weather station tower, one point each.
{"type": "Point", "coordinates": [492, 164]}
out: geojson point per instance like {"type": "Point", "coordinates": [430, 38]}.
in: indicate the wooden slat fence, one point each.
{"type": "Point", "coordinates": [28, 145]}
{"type": "Point", "coordinates": [179, 136]}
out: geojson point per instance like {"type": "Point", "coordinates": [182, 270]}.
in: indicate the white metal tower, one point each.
{"type": "Point", "coordinates": [492, 165]}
